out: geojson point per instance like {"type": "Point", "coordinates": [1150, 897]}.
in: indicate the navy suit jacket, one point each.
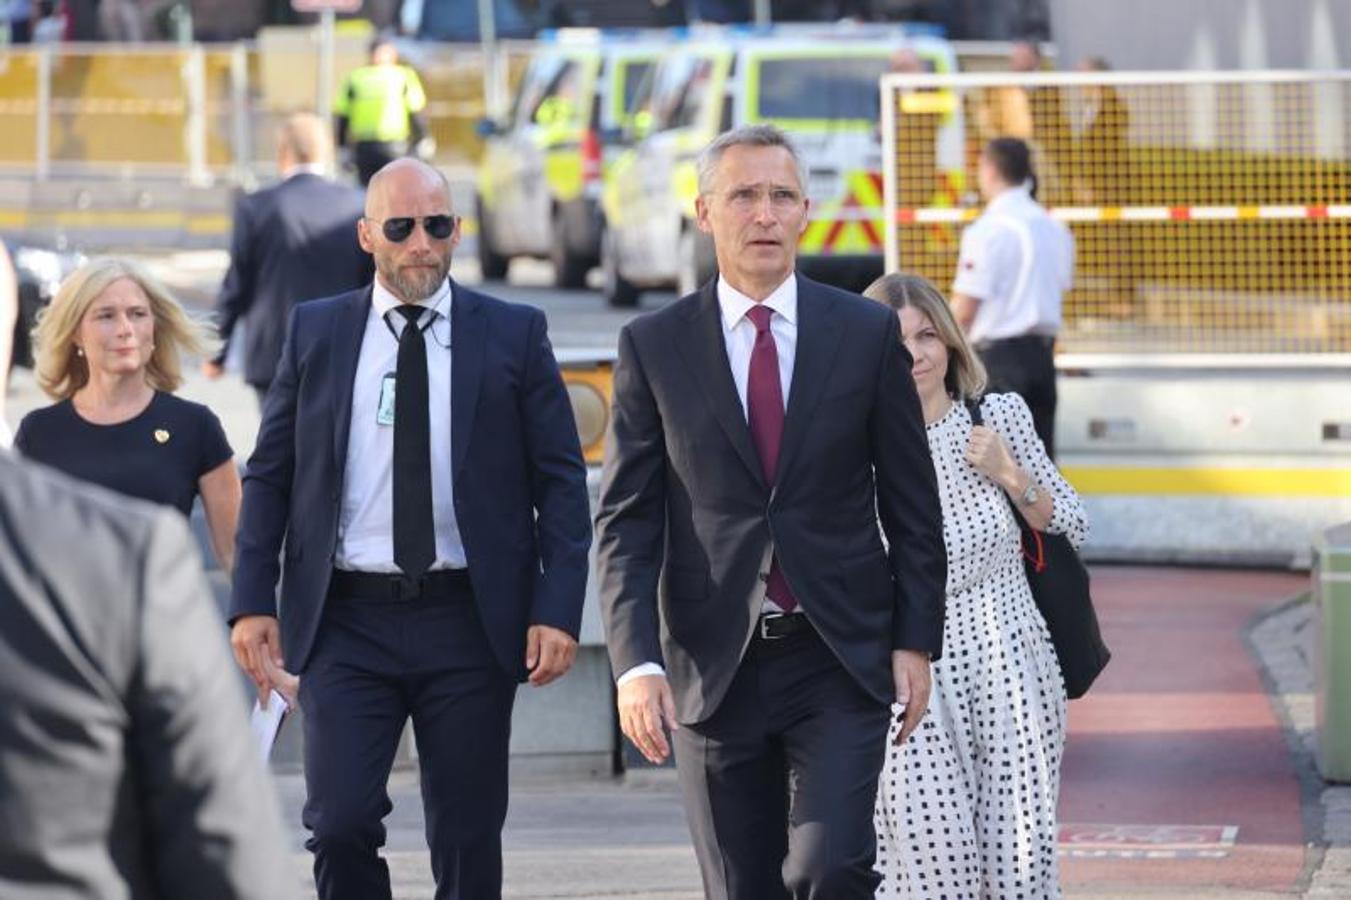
{"type": "Point", "coordinates": [292, 242]}
{"type": "Point", "coordinates": [519, 477]}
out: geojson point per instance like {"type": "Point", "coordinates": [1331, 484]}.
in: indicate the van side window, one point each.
{"type": "Point", "coordinates": [820, 89]}
{"type": "Point", "coordinates": [679, 99]}
{"type": "Point", "coordinates": [550, 94]}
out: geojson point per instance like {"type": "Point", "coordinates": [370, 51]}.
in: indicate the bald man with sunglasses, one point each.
{"type": "Point", "coordinates": [419, 477]}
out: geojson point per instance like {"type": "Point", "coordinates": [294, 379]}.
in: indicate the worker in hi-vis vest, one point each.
{"type": "Point", "coordinates": [379, 112]}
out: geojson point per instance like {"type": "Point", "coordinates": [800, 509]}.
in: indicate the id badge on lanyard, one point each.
{"type": "Point", "coordinates": [384, 410]}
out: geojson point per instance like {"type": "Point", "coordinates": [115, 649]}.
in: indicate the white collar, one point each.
{"type": "Point", "coordinates": [1009, 196]}
{"type": "Point", "coordinates": [735, 305]}
{"type": "Point", "coordinates": [306, 169]}
{"type": "Point", "coordinates": [384, 301]}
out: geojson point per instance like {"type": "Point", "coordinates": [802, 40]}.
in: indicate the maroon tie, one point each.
{"type": "Point", "coordinates": [764, 413]}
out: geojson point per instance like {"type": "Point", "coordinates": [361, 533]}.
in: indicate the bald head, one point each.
{"type": "Point", "coordinates": [1025, 56]}
{"type": "Point", "coordinates": [413, 258]}
{"type": "Point", "coordinates": [907, 61]}
{"type": "Point", "coordinates": [403, 179]}
{"type": "Point", "coordinates": [303, 139]}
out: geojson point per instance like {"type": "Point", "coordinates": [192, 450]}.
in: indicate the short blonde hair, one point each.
{"type": "Point", "coordinates": [966, 374]}
{"type": "Point", "coordinates": [61, 371]}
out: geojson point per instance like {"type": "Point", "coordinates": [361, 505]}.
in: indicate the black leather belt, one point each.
{"type": "Point", "coordinates": [380, 586]}
{"type": "Point", "coordinates": [776, 626]}
{"type": "Point", "coordinates": [1039, 341]}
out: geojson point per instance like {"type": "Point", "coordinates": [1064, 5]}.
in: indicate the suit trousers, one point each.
{"type": "Point", "coordinates": [779, 784]}
{"type": "Point", "coordinates": [374, 665]}
{"type": "Point", "coordinates": [1026, 366]}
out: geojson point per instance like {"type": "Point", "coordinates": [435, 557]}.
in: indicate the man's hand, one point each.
{"type": "Point", "coordinates": [212, 370]}
{"type": "Point", "coordinates": [256, 643]}
{"type": "Point", "coordinates": [549, 653]}
{"type": "Point", "coordinates": [910, 672]}
{"type": "Point", "coordinates": [283, 682]}
{"type": "Point", "coordinates": [646, 704]}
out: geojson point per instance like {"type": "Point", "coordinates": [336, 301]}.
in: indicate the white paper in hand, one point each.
{"type": "Point", "coordinates": [265, 722]}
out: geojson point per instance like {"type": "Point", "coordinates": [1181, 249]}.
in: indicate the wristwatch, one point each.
{"type": "Point", "coordinates": [1030, 495]}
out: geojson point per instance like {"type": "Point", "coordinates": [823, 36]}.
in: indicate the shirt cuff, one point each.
{"type": "Point", "coordinates": [639, 671]}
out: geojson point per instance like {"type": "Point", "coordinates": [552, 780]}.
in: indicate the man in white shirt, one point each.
{"type": "Point", "coordinates": [419, 458]}
{"type": "Point", "coordinates": [761, 427]}
{"type": "Point", "coordinates": [1015, 265]}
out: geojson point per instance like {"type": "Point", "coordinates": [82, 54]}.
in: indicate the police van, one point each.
{"type": "Point", "coordinates": [820, 85]}
{"type": "Point", "coordinates": [540, 177]}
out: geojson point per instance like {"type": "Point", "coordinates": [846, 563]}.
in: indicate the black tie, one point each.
{"type": "Point", "coordinates": [414, 527]}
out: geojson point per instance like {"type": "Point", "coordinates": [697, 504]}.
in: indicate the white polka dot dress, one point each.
{"type": "Point", "coordinates": [966, 807]}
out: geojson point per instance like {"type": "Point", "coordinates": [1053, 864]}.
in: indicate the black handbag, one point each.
{"type": "Point", "coordinates": [1060, 586]}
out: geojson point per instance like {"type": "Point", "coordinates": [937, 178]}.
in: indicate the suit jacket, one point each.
{"type": "Point", "coordinates": [683, 497]}
{"type": "Point", "coordinates": [292, 242]}
{"type": "Point", "coordinates": [126, 766]}
{"type": "Point", "coordinates": [519, 478]}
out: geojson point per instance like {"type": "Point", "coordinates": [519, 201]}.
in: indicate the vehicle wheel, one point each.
{"type": "Point", "coordinates": [493, 265]}
{"type": "Point", "coordinates": [619, 293]}
{"type": "Point", "coordinates": [695, 262]}
{"type": "Point", "coordinates": [569, 269]}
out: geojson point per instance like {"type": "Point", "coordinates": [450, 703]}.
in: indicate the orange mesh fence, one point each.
{"type": "Point", "coordinates": [1210, 211]}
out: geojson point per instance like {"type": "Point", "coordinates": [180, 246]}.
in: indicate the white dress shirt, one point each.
{"type": "Point", "coordinates": [1018, 262]}
{"type": "Point", "coordinates": [366, 522]}
{"type": "Point", "coordinates": [738, 334]}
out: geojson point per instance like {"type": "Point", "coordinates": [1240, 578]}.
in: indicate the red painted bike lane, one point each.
{"type": "Point", "coordinates": [1177, 774]}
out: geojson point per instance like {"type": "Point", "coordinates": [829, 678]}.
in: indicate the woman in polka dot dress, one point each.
{"type": "Point", "coordinates": [966, 806]}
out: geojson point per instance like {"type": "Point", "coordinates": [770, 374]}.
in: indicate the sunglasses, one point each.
{"type": "Point", "coordinates": [399, 229]}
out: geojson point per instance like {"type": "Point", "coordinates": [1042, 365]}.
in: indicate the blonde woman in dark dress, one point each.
{"type": "Point", "coordinates": [108, 351]}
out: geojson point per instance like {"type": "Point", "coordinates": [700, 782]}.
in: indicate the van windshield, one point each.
{"type": "Point", "coordinates": [797, 88]}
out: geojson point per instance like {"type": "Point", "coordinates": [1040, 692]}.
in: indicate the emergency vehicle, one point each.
{"type": "Point", "coordinates": [540, 177]}
{"type": "Point", "coordinates": [820, 85]}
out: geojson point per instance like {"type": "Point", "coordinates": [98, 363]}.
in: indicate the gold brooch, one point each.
{"type": "Point", "coordinates": [161, 436]}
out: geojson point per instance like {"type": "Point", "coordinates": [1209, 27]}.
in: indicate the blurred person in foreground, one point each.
{"type": "Point", "coordinates": [761, 427]}
{"type": "Point", "coordinates": [109, 350]}
{"type": "Point", "coordinates": [967, 807]}
{"type": "Point", "coordinates": [292, 242]}
{"type": "Point", "coordinates": [1014, 267]}
{"type": "Point", "coordinates": [429, 510]}
{"type": "Point", "coordinates": [379, 112]}
{"type": "Point", "coordinates": [126, 765]}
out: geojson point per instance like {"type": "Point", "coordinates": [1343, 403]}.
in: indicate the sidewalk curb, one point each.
{"type": "Point", "coordinates": [1279, 641]}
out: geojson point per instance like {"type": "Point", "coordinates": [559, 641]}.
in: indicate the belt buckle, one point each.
{"type": "Point", "coordinates": [406, 588]}
{"type": "Point", "coordinates": [764, 624]}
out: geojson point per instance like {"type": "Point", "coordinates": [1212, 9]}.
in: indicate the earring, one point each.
{"type": "Point", "coordinates": [79, 351]}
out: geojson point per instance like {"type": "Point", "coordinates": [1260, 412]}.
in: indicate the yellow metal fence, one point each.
{"type": "Point", "coordinates": [201, 112]}
{"type": "Point", "coordinates": [1210, 211]}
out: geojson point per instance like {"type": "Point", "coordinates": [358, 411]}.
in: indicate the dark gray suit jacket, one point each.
{"type": "Point", "coordinates": [126, 766]}
{"type": "Point", "coordinates": [684, 498]}
{"type": "Point", "coordinates": [292, 242]}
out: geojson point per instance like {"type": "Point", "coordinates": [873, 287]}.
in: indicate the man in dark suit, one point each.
{"type": "Point", "coordinates": [126, 765]}
{"type": "Point", "coordinates": [750, 605]}
{"type": "Point", "coordinates": [435, 536]}
{"type": "Point", "coordinates": [292, 242]}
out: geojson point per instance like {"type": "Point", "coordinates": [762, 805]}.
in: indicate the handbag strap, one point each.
{"type": "Point", "coordinates": [1036, 556]}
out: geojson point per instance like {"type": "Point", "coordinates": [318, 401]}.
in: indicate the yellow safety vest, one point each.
{"type": "Point", "coordinates": [377, 101]}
